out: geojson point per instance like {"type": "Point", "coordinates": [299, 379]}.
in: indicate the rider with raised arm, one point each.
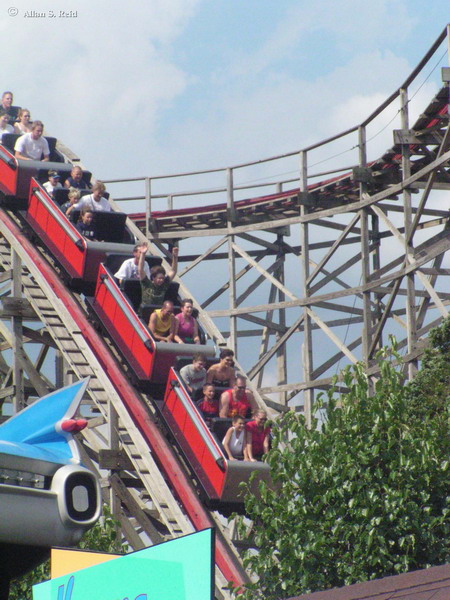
{"type": "Point", "coordinates": [154, 288]}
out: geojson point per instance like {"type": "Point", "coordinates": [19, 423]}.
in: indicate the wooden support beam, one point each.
{"type": "Point", "coordinates": [265, 336]}
{"type": "Point", "coordinates": [203, 256]}
{"type": "Point", "coordinates": [262, 271]}
{"type": "Point", "coordinates": [265, 359]}
{"type": "Point", "coordinates": [333, 249]}
{"type": "Point", "coordinates": [16, 338]}
{"type": "Point", "coordinates": [438, 245]}
{"type": "Point", "coordinates": [258, 281]}
{"type": "Point", "coordinates": [135, 510]}
{"type": "Point", "coordinates": [332, 336]}
{"type": "Point", "coordinates": [226, 286]}
{"type": "Point", "coordinates": [17, 307]}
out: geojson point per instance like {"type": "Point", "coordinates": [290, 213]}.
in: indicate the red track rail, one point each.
{"type": "Point", "coordinates": [199, 516]}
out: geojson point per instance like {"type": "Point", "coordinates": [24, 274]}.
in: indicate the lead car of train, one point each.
{"type": "Point", "coordinates": [88, 266]}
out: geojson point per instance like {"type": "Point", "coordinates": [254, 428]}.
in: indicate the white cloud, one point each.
{"type": "Point", "coordinates": [100, 79]}
{"type": "Point", "coordinates": [350, 24]}
{"type": "Point", "coordinates": [106, 81]}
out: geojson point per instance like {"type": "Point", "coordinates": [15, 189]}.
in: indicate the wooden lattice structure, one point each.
{"type": "Point", "coordinates": [309, 279]}
{"type": "Point", "coordinates": [299, 276]}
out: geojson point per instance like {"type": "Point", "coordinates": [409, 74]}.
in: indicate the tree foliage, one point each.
{"type": "Point", "coordinates": [101, 538]}
{"type": "Point", "coordinates": [365, 495]}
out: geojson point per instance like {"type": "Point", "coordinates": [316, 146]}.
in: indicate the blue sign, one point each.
{"type": "Point", "coordinates": [181, 569]}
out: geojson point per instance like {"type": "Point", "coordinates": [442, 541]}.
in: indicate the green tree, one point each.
{"type": "Point", "coordinates": [101, 538]}
{"type": "Point", "coordinates": [365, 495]}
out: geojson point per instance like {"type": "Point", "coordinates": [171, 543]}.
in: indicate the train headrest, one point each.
{"type": "Point", "coordinates": [9, 140]}
{"type": "Point", "coordinates": [219, 427]}
{"type": "Point", "coordinates": [181, 362]}
{"type": "Point", "coordinates": [172, 293]}
{"type": "Point", "coordinates": [114, 261]}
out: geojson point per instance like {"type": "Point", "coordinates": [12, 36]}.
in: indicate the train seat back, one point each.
{"type": "Point", "coordinates": [181, 362]}
{"type": "Point", "coordinates": [167, 354]}
{"type": "Point", "coordinates": [219, 427]}
{"type": "Point", "coordinates": [85, 192]}
{"type": "Point", "coordinates": [171, 294]}
{"type": "Point", "coordinates": [114, 262]}
{"type": "Point", "coordinates": [64, 172]}
{"type": "Point", "coordinates": [9, 141]}
{"type": "Point", "coordinates": [29, 169]}
{"type": "Point", "coordinates": [109, 226]}
{"type": "Point", "coordinates": [60, 196]}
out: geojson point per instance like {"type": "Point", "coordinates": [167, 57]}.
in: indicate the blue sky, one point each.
{"type": "Point", "coordinates": [170, 85]}
{"type": "Point", "coordinates": [165, 86]}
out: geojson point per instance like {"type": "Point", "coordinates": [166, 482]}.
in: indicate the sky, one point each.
{"type": "Point", "coordinates": [143, 88]}
{"type": "Point", "coordinates": [166, 86]}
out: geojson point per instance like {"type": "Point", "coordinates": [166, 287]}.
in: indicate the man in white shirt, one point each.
{"type": "Point", "coordinates": [32, 146]}
{"type": "Point", "coordinates": [129, 268]}
{"type": "Point", "coordinates": [95, 201]}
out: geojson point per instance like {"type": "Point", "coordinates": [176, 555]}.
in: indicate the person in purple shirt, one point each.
{"type": "Point", "coordinates": [186, 328]}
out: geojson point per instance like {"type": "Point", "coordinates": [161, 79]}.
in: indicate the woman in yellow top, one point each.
{"type": "Point", "coordinates": [162, 323]}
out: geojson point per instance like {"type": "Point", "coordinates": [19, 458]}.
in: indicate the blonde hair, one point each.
{"type": "Point", "coordinates": [73, 193]}
{"type": "Point", "coordinates": [99, 185]}
{"type": "Point", "coordinates": [21, 111]}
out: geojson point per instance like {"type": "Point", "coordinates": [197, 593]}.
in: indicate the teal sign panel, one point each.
{"type": "Point", "coordinates": [181, 569]}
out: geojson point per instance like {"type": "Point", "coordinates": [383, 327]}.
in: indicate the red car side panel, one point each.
{"type": "Point", "coordinates": [46, 220]}
{"type": "Point", "coordinates": [124, 326]}
{"type": "Point", "coordinates": [194, 438]}
{"type": "Point", "coordinates": [8, 172]}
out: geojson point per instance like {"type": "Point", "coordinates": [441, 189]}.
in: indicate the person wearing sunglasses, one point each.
{"type": "Point", "coordinates": [258, 437]}
{"type": "Point", "coordinates": [237, 400]}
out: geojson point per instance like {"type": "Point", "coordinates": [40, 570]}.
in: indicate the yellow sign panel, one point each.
{"type": "Point", "coordinates": [67, 561]}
